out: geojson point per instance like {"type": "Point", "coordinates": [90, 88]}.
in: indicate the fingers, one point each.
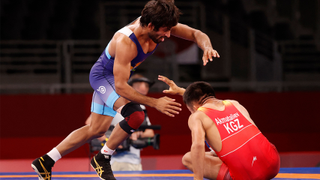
{"type": "Point", "coordinates": [165, 80]}
{"type": "Point", "coordinates": [205, 60]}
{"type": "Point", "coordinates": [172, 101]}
{"type": "Point", "coordinates": [162, 78]}
{"type": "Point", "coordinates": [169, 106]}
{"type": "Point", "coordinates": [172, 109]}
{"type": "Point", "coordinates": [176, 104]}
{"type": "Point", "coordinates": [175, 108]}
{"type": "Point", "coordinates": [173, 88]}
{"type": "Point", "coordinates": [208, 54]}
{"type": "Point", "coordinates": [168, 92]}
{"type": "Point", "coordinates": [171, 113]}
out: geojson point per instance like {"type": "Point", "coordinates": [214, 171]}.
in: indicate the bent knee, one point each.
{"type": "Point", "coordinates": [186, 160]}
{"type": "Point", "coordinates": [135, 119]}
{"type": "Point", "coordinates": [133, 115]}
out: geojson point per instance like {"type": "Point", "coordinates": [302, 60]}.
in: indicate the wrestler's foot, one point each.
{"type": "Point", "coordinates": [101, 164]}
{"type": "Point", "coordinates": [42, 166]}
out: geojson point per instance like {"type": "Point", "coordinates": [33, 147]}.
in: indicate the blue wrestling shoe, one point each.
{"type": "Point", "coordinates": [101, 164]}
{"type": "Point", "coordinates": [42, 166]}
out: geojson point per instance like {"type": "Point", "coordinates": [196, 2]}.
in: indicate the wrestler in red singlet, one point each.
{"type": "Point", "coordinates": [246, 152]}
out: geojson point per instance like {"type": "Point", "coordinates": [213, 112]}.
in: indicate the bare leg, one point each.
{"type": "Point", "coordinates": [98, 126]}
{"type": "Point", "coordinates": [211, 167]}
{"type": "Point", "coordinates": [118, 135]}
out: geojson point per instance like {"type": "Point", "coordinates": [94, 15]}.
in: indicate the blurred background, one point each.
{"type": "Point", "coordinates": [270, 63]}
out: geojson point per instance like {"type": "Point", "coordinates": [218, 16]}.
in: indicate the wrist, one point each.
{"type": "Point", "coordinates": [181, 91]}
{"type": "Point", "coordinates": [152, 102]}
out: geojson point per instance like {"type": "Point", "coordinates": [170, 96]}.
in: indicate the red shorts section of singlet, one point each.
{"type": "Point", "coordinates": [224, 173]}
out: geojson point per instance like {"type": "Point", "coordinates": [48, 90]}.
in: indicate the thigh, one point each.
{"type": "Point", "coordinates": [120, 102]}
{"type": "Point", "coordinates": [98, 106]}
{"type": "Point", "coordinates": [99, 123]}
{"type": "Point", "coordinates": [105, 96]}
{"type": "Point", "coordinates": [212, 166]}
{"type": "Point", "coordinates": [102, 83]}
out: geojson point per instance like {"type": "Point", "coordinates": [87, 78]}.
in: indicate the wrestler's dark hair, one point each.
{"type": "Point", "coordinates": [160, 13]}
{"type": "Point", "coordinates": [198, 92]}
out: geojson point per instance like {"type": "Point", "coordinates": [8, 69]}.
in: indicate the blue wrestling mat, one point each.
{"type": "Point", "coordinates": [284, 174]}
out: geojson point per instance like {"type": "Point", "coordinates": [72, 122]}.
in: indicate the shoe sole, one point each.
{"type": "Point", "coordinates": [36, 170]}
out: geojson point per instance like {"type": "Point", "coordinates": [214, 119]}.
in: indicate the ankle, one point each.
{"type": "Point", "coordinates": [106, 150]}
{"type": "Point", "coordinates": [54, 154]}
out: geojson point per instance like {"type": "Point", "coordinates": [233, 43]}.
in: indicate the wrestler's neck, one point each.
{"type": "Point", "coordinates": [213, 103]}
{"type": "Point", "coordinates": [142, 33]}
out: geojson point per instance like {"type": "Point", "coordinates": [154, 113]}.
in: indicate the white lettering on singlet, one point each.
{"type": "Point", "coordinates": [231, 123]}
{"type": "Point", "coordinates": [226, 119]}
{"type": "Point", "coordinates": [234, 126]}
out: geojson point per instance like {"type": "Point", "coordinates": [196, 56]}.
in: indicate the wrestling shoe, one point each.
{"type": "Point", "coordinates": [101, 164]}
{"type": "Point", "coordinates": [42, 166]}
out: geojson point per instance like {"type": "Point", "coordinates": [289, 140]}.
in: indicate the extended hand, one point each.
{"type": "Point", "coordinates": [168, 106]}
{"type": "Point", "coordinates": [208, 53]}
{"type": "Point", "coordinates": [173, 88]}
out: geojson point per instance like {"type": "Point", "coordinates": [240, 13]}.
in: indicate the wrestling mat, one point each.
{"type": "Point", "coordinates": [284, 174]}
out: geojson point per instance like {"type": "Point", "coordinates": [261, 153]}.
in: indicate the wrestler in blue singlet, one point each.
{"type": "Point", "coordinates": [102, 79]}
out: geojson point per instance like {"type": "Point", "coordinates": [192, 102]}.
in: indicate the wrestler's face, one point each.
{"type": "Point", "coordinates": [160, 35]}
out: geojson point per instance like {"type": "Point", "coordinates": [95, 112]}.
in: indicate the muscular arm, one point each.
{"type": "Point", "coordinates": [200, 38]}
{"type": "Point", "coordinates": [125, 52]}
{"type": "Point", "coordinates": [198, 146]}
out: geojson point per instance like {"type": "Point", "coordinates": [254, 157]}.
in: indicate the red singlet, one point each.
{"type": "Point", "coordinates": [246, 152]}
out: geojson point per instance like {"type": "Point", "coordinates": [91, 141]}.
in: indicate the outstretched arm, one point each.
{"type": "Point", "coordinates": [173, 88]}
{"type": "Point", "coordinates": [201, 39]}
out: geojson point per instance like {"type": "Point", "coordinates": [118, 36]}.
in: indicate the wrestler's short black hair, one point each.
{"type": "Point", "coordinates": [197, 92]}
{"type": "Point", "coordinates": [160, 13]}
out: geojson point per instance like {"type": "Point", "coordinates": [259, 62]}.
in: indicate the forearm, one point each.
{"type": "Point", "coordinates": [129, 93]}
{"type": "Point", "coordinates": [202, 40]}
{"type": "Point", "coordinates": [197, 154]}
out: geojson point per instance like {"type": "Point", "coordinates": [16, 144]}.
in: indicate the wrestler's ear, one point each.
{"type": "Point", "coordinates": [150, 26]}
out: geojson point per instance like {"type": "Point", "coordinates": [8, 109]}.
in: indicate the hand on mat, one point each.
{"type": "Point", "coordinates": [173, 88]}
{"type": "Point", "coordinates": [168, 106]}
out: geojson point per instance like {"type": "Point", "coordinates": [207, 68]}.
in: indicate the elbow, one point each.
{"type": "Point", "coordinates": [119, 87]}
{"type": "Point", "coordinates": [197, 33]}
